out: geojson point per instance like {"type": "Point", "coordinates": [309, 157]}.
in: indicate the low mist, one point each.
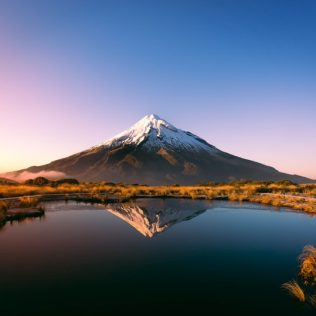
{"type": "Point", "coordinates": [25, 175]}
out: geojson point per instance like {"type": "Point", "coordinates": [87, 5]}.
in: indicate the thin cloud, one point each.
{"type": "Point", "coordinates": [25, 175]}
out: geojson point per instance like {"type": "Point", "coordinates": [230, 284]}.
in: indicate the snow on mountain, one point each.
{"type": "Point", "coordinates": [154, 133]}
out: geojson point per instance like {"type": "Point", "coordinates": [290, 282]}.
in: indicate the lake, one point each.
{"type": "Point", "coordinates": [153, 255]}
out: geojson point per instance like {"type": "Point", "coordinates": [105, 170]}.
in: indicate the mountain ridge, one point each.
{"type": "Point", "coordinates": [155, 152]}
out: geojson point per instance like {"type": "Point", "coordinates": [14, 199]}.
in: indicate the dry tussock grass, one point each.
{"type": "Point", "coordinates": [296, 196]}
{"type": "Point", "coordinates": [306, 276]}
{"type": "Point", "coordinates": [28, 201]}
{"type": "Point", "coordinates": [4, 206]}
{"type": "Point", "coordinates": [295, 290]}
{"type": "Point", "coordinates": [307, 261]}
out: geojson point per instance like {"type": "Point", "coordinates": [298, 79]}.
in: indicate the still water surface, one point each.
{"type": "Point", "coordinates": [153, 255]}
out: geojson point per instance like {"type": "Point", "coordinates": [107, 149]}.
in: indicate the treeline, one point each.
{"type": "Point", "coordinates": [41, 181]}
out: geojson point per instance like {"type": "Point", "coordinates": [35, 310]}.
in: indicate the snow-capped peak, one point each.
{"type": "Point", "coordinates": [151, 121]}
{"type": "Point", "coordinates": [154, 133]}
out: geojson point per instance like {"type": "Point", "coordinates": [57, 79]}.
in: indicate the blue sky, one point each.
{"type": "Point", "coordinates": [240, 74]}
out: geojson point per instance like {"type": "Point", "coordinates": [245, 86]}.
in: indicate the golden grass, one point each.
{"type": "Point", "coordinates": [307, 261]}
{"type": "Point", "coordinates": [300, 203]}
{"type": "Point", "coordinates": [3, 210]}
{"type": "Point", "coordinates": [296, 196]}
{"type": "Point", "coordinates": [28, 201]}
{"type": "Point", "coordinates": [4, 206]}
{"type": "Point", "coordinates": [307, 277]}
{"type": "Point", "coordinates": [294, 290]}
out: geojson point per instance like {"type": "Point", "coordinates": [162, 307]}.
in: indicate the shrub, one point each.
{"type": "Point", "coordinates": [67, 181]}
{"type": "Point", "coordinates": [37, 181]}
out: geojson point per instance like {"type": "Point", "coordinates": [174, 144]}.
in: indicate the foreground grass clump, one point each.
{"type": "Point", "coordinates": [295, 290]}
{"type": "Point", "coordinates": [307, 261]}
{"type": "Point", "coordinates": [28, 201]}
{"type": "Point", "coordinates": [283, 193]}
{"type": "Point", "coordinates": [3, 210]}
{"type": "Point", "coordinates": [4, 206]}
{"type": "Point", "coordinates": [305, 291]}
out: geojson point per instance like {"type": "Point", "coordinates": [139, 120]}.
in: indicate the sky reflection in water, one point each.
{"type": "Point", "coordinates": [200, 254]}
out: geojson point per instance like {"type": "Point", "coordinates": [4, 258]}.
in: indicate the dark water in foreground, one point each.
{"type": "Point", "coordinates": [172, 256]}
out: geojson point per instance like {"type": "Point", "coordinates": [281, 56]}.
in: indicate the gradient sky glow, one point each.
{"type": "Point", "coordinates": [240, 74]}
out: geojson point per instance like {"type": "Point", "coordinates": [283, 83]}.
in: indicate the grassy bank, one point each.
{"type": "Point", "coordinates": [296, 196]}
{"type": "Point", "coordinates": [23, 207]}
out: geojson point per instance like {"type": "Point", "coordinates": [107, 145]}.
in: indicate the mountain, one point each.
{"type": "Point", "coordinates": [153, 216]}
{"type": "Point", "coordinates": [154, 152]}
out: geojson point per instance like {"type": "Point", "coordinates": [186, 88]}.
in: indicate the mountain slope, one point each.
{"type": "Point", "coordinates": [153, 151]}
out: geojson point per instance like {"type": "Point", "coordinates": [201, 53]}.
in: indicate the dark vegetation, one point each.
{"type": "Point", "coordinates": [41, 181]}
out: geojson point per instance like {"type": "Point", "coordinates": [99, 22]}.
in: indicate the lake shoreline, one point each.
{"type": "Point", "coordinates": [15, 212]}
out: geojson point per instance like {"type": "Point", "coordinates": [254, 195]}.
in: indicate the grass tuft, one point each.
{"type": "Point", "coordinates": [28, 201]}
{"type": "Point", "coordinates": [294, 290]}
{"type": "Point", "coordinates": [307, 261]}
{"type": "Point", "coordinates": [3, 206]}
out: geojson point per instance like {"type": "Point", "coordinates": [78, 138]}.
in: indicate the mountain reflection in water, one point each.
{"type": "Point", "coordinates": [153, 216]}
